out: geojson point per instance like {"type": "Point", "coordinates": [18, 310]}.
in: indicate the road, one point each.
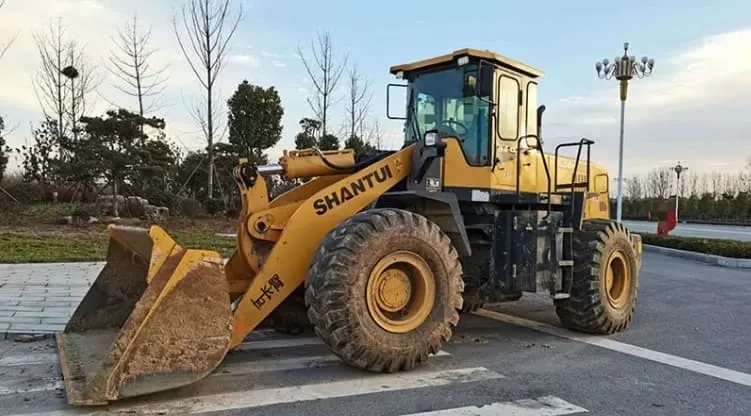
{"type": "Point", "coordinates": [685, 353]}
{"type": "Point", "coordinates": [727, 232]}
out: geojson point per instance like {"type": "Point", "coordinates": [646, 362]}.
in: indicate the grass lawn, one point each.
{"type": "Point", "coordinates": [91, 245]}
{"type": "Point", "coordinates": [31, 235]}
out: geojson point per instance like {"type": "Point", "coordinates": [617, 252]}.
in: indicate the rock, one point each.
{"type": "Point", "coordinates": [28, 337]}
{"type": "Point", "coordinates": [66, 220]}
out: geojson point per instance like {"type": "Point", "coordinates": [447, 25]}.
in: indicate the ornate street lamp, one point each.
{"type": "Point", "coordinates": [623, 69]}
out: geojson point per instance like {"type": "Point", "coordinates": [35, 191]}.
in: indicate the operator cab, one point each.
{"type": "Point", "coordinates": [485, 100]}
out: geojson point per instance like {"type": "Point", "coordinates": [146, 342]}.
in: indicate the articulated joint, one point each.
{"type": "Point", "coordinates": [244, 174]}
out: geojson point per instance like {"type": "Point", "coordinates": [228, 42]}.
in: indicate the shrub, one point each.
{"type": "Point", "coordinates": [214, 206]}
{"type": "Point", "coordinates": [159, 198]}
{"type": "Point", "coordinates": [26, 192]}
{"type": "Point", "coordinates": [188, 207]}
{"type": "Point", "coordinates": [725, 248]}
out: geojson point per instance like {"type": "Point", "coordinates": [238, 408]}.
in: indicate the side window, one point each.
{"type": "Point", "coordinates": [469, 117]}
{"type": "Point", "coordinates": [601, 183]}
{"type": "Point", "coordinates": [508, 106]}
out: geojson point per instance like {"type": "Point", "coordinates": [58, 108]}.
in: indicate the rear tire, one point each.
{"type": "Point", "coordinates": [606, 280]}
{"type": "Point", "coordinates": [291, 317]}
{"type": "Point", "coordinates": [357, 319]}
{"type": "Point", "coordinates": [471, 301]}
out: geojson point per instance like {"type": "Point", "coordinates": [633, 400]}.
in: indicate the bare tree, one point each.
{"type": "Point", "coordinates": [325, 76]}
{"type": "Point", "coordinates": [208, 30]}
{"type": "Point", "coordinates": [359, 103]}
{"type": "Point", "coordinates": [375, 135]}
{"type": "Point", "coordinates": [4, 48]}
{"type": "Point", "coordinates": [659, 183]}
{"type": "Point", "coordinates": [65, 79]}
{"type": "Point", "coordinates": [634, 188]}
{"type": "Point", "coordinates": [690, 186]}
{"type": "Point", "coordinates": [131, 64]}
{"type": "Point", "coordinates": [50, 81]}
{"type": "Point", "coordinates": [715, 180]}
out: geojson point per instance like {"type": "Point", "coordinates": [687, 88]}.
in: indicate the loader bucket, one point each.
{"type": "Point", "coordinates": [157, 317]}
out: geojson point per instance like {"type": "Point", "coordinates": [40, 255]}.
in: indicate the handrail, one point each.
{"type": "Point", "coordinates": [580, 144]}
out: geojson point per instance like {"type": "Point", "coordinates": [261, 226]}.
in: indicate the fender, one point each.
{"type": "Point", "coordinates": [440, 207]}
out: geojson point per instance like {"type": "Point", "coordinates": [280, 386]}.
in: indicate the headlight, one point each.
{"type": "Point", "coordinates": [431, 138]}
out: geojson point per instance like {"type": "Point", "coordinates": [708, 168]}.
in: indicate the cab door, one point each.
{"type": "Point", "coordinates": [515, 97]}
{"type": "Point", "coordinates": [506, 131]}
{"type": "Point", "coordinates": [530, 161]}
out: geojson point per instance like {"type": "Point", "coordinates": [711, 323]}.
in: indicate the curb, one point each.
{"type": "Point", "coordinates": [712, 259]}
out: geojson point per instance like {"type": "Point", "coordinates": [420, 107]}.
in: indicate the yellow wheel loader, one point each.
{"type": "Point", "coordinates": [379, 252]}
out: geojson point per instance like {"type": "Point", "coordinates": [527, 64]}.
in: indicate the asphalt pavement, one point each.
{"type": "Point", "coordinates": [726, 232]}
{"type": "Point", "coordinates": [686, 353]}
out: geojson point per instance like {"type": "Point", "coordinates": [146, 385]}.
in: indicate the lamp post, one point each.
{"type": "Point", "coordinates": [678, 170]}
{"type": "Point", "coordinates": [623, 69]}
{"type": "Point", "coordinates": [71, 73]}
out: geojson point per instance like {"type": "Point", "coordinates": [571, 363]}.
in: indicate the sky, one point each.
{"type": "Point", "coordinates": [694, 108]}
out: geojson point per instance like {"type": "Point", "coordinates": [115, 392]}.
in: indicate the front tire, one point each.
{"type": "Point", "coordinates": [606, 280]}
{"type": "Point", "coordinates": [291, 317]}
{"type": "Point", "coordinates": [384, 289]}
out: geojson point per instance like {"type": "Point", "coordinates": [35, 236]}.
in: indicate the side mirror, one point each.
{"type": "Point", "coordinates": [486, 82]}
{"type": "Point", "coordinates": [388, 102]}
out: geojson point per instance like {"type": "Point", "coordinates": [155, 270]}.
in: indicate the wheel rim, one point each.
{"type": "Point", "coordinates": [400, 292]}
{"type": "Point", "coordinates": [617, 280]}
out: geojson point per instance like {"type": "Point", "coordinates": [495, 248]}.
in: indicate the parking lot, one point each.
{"type": "Point", "coordinates": [686, 353]}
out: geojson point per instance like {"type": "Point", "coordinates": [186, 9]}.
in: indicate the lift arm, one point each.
{"type": "Point", "coordinates": [331, 200]}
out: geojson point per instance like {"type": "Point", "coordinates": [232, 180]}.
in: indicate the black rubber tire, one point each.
{"type": "Point", "coordinates": [291, 317]}
{"type": "Point", "coordinates": [336, 287]}
{"type": "Point", "coordinates": [588, 310]}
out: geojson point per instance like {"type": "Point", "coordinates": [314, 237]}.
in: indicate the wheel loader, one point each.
{"type": "Point", "coordinates": [377, 252]}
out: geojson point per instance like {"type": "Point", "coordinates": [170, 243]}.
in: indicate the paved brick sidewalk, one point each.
{"type": "Point", "coordinates": [40, 298]}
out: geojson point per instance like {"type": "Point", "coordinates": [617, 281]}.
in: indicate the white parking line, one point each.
{"type": "Point", "coordinates": [660, 357]}
{"type": "Point", "coordinates": [28, 359]}
{"type": "Point", "coordinates": [50, 358]}
{"type": "Point", "coordinates": [542, 406]}
{"type": "Point", "coordinates": [278, 343]}
{"type": "Point", "coordinates": [364, 384]}
{"type": "Point", "coordinates": [31, 384]}
{"type": "Point", "coordinates": [46, 358]}
{"type": "Point", "coordinates": [19, 386]}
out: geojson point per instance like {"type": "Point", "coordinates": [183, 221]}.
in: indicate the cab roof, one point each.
{"type": "Point", "coordinates": [472, 53]}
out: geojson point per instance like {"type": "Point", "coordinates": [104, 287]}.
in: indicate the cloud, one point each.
{"type": "Point", "coordinates": [274, 55]}
{"type": "Point", "coordinates": [693, 108]}
{"type": "Point", "coordinates": [247, 60]}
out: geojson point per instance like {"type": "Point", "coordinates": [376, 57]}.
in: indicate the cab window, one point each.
{"type": "Point", "coordinates": [445, 101]}
{"type": "Point", "coordinates": [508, 108]}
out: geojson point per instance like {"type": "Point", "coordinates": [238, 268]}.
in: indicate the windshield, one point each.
{"type": "Point", "coordinates": [441, 101]}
